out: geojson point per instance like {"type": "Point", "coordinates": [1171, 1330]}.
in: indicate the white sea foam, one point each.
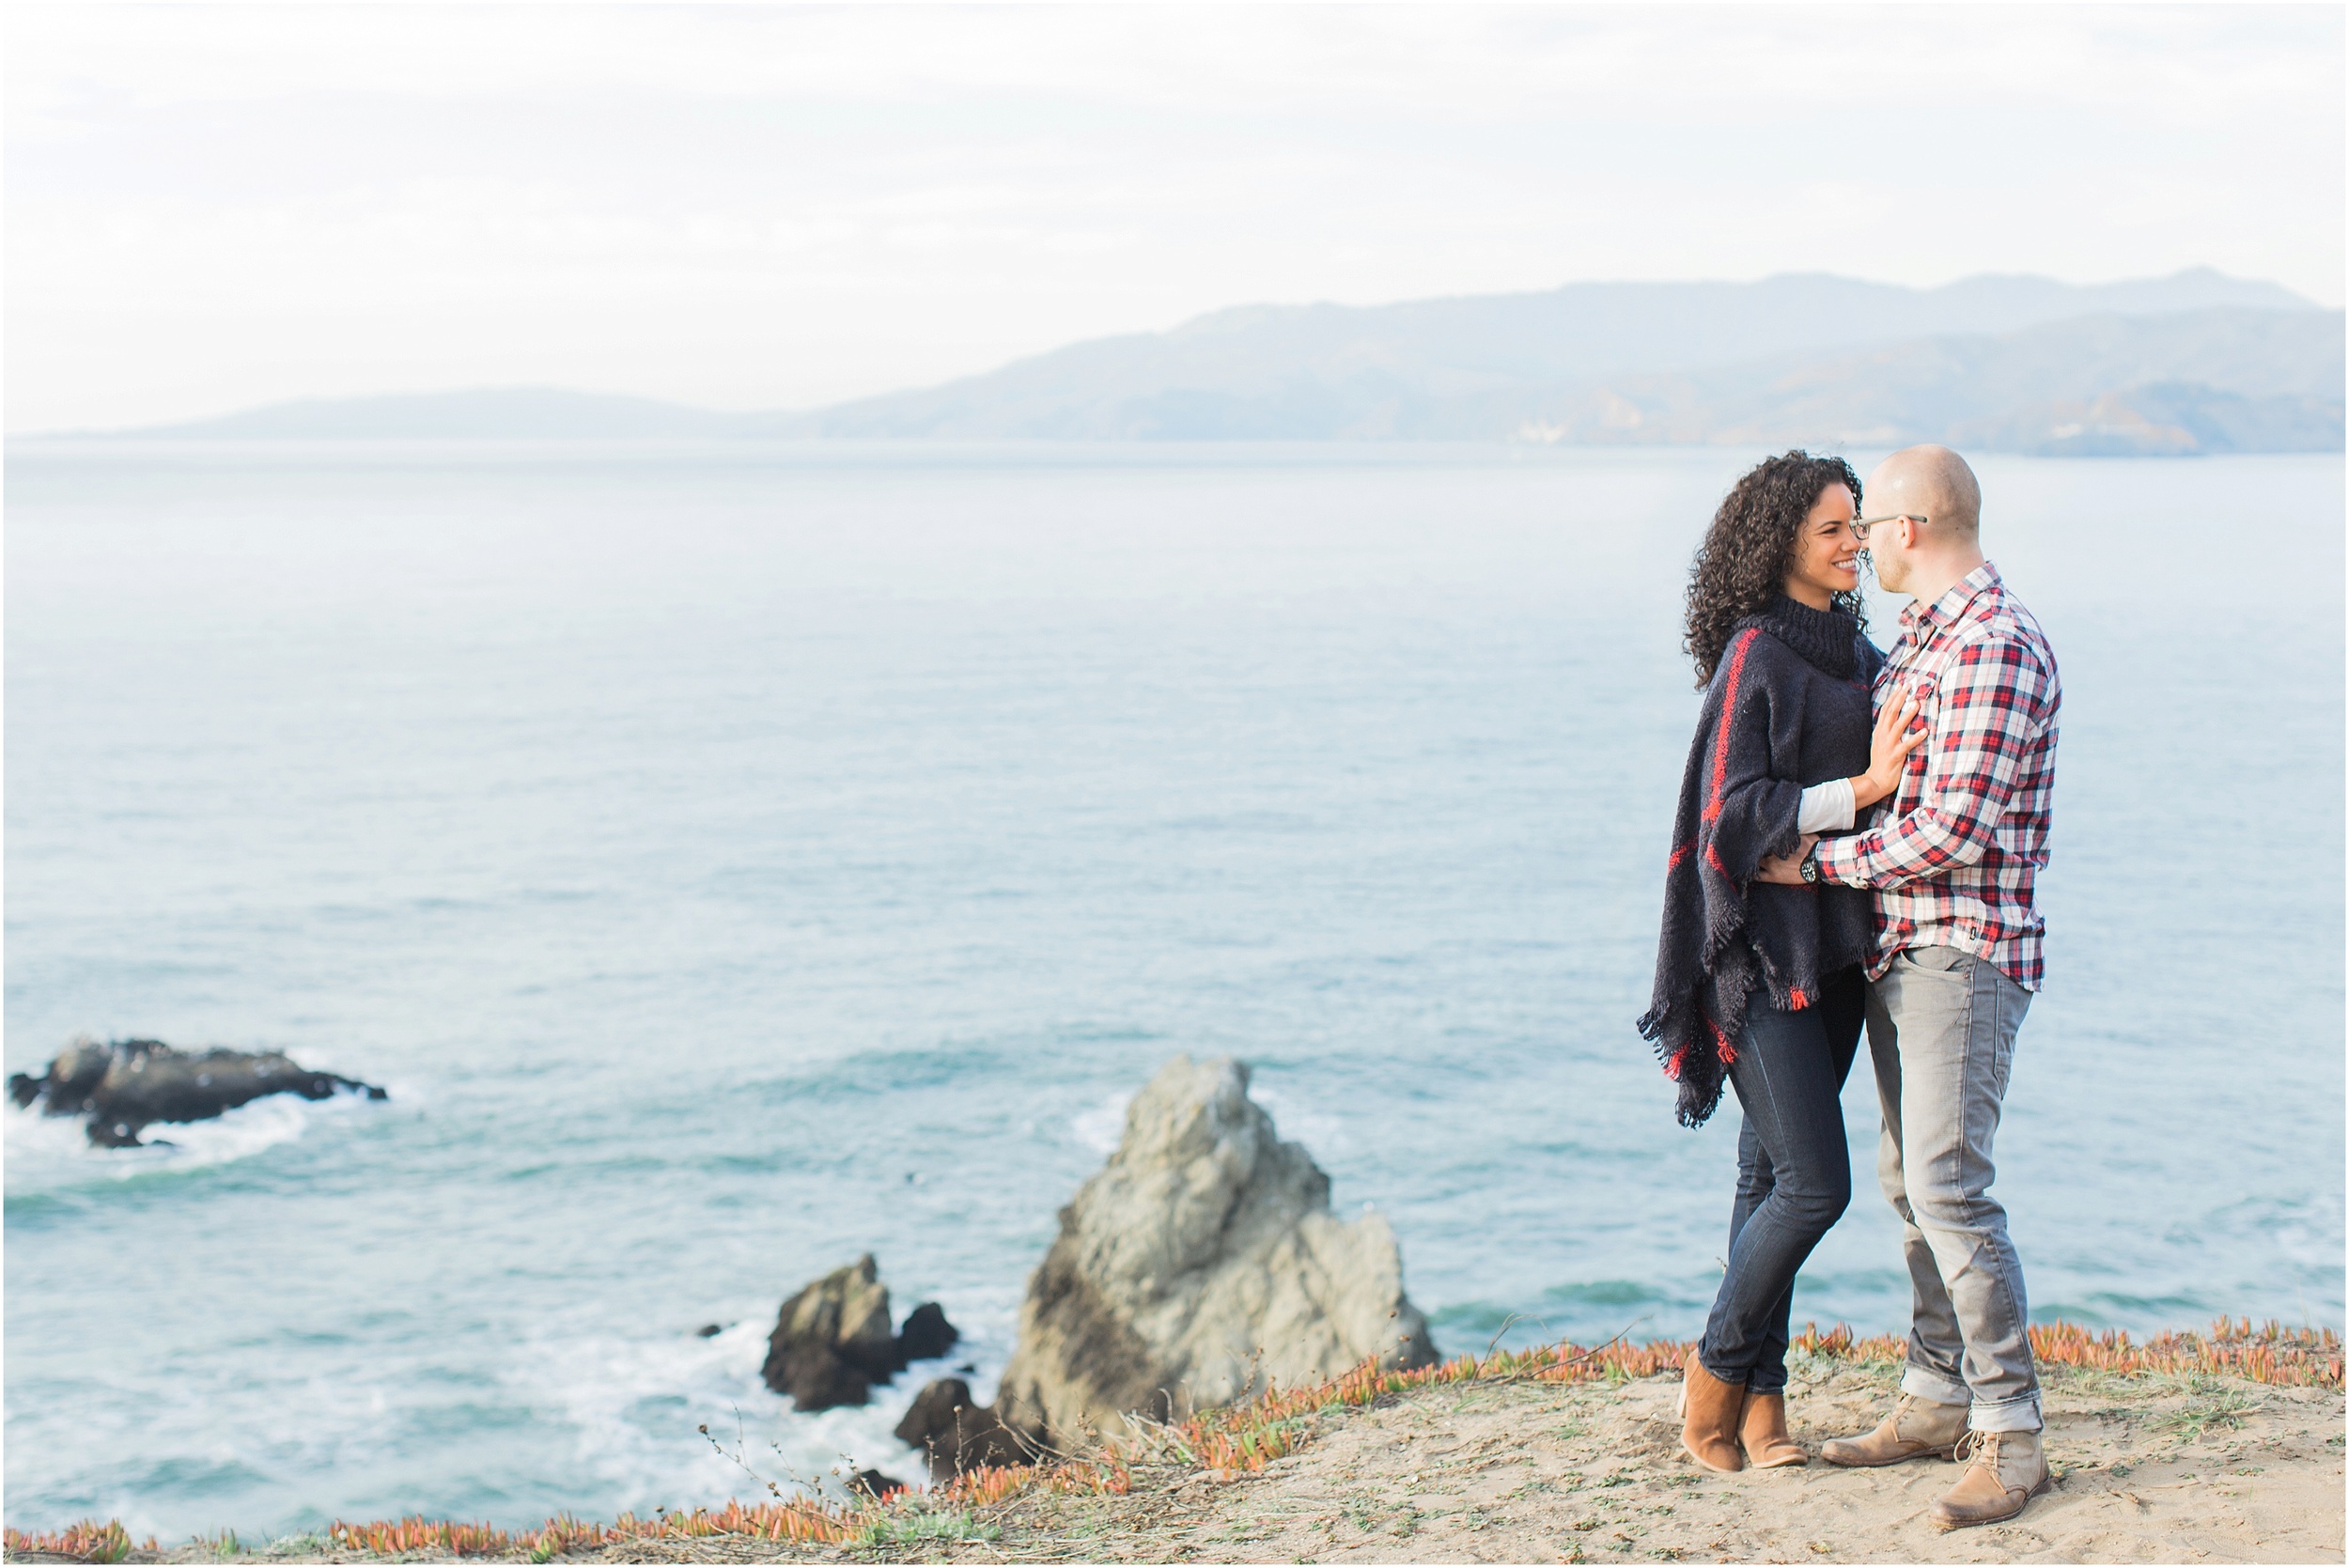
{"type": "Point", "coordinates": [49, 1152]}
{"type": "Point", "coordinates": [1325, 1136]}
{"type": "Point", "coordinates": [633, 1404]}
{"type": "Point", "coordinates": [1100, 1127]}
{"type": "Point", "coordinates": [598, 1385]}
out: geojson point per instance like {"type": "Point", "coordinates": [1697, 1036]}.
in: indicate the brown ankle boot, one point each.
{"type": "Point", "coordinates": [1915, 1427]}
{"type": "Point", "coordinates": [1709, 1434]}
{"type": "Point", "coordinates": [1763, 1435]}
{"type": "Point", "coordinates": [2004, 1470]}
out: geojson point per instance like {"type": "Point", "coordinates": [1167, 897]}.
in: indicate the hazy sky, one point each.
{"type": "Point", "coordinates": [770, 207]}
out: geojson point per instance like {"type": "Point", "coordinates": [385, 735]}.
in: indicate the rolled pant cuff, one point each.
{"type": "Point", "coordinates": [2019, 1414]}
{"type": "Point", "coordinates": [1924, 1383]}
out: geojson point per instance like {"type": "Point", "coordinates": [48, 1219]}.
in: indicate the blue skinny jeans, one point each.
{"type": "Point", "coordinates": [1794, 1173]}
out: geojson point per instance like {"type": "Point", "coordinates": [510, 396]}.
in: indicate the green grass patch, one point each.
{"type": "Point", "coordinates": [2219, 1409]}
{"type": "Point", "coordinates": [912, 1527]}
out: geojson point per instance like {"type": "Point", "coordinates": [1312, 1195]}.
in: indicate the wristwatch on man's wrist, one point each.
{"type": "Point", "coordinates": [1810, 866]}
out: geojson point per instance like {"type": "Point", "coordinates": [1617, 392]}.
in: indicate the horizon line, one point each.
{"type": "Point", "coordinates": [158, 428]}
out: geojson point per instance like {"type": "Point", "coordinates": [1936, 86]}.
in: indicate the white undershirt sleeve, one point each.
{"type": "Point", "coordinates": [1826, 808]}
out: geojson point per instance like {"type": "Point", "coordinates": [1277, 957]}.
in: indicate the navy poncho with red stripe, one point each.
{"type": "Point", "coordinates": [1787, 708]}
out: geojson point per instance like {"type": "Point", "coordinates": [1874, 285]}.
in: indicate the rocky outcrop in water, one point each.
{"type": "Point", "coordinates": [926, 1334]}
{"type": "Point", "coordinates": [959, 1432]}
{"type": "Point", "coordinates": [831, 1339]}
{"type": "Point", "coordinates": [125, 1085]}
{"type": "Point", "coordinates": [1200, 1264]}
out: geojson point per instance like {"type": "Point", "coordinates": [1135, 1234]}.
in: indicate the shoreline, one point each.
{"type": "Point", "coordinates": [1329, 1471]}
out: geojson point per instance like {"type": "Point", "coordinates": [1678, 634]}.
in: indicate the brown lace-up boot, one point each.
{"type": "Point", "coordinates": [2004, 1470]}
{"type": "Point", "coordinates": [1916, 1427]}
{"type": "Point", "coordinates": [1712, 1408]}
{"type": "Point", "coordinates": [1763, 1435]}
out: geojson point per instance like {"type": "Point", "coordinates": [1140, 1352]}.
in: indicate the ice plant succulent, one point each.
{"type": "Point", "coordinates": [87, 1542]}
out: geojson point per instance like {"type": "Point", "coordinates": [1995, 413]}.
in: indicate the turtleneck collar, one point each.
{"type": "Point", "coordinates": [1826, 638]}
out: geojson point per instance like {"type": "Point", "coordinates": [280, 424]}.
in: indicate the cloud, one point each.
{"type": "Point", "coordinates": [753, 207]}
{"type": "Point", "coordinates": [1478, 62]}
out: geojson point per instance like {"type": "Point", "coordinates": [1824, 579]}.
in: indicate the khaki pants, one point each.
{"type": "Point", "coordinates": [1941, 1026]}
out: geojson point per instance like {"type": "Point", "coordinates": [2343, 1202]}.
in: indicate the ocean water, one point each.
{"type": "Point", "coordinates": [736, 860]}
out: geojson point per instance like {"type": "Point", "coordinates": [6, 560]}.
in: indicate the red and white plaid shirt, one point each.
{"type": "Point", "coordinates": [1952, 854]}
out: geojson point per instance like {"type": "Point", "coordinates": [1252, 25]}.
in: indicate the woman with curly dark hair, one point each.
{"type": "Point", "coordinates": [1758, 985]}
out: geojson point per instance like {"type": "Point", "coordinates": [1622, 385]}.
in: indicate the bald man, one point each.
{"type": "Point", "coordinates": [1951, 857]}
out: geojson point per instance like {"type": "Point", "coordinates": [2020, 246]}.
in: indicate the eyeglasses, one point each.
{"type": "Point", "coordinates": [1860, 525]}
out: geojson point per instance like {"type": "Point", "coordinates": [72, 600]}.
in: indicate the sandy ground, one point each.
{"type": "Point", "coordinates": [2150, 1468]}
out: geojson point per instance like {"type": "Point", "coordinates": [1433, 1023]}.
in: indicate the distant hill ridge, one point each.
{"type": "Point", "coordinates": [2198, 362]}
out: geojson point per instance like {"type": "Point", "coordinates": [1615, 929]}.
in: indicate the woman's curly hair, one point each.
{"type": "Point", "coordinates": [1741, 567]}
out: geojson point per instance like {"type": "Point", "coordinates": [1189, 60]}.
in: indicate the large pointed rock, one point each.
{"type": "Point", "coordinates": [1200, 1264]}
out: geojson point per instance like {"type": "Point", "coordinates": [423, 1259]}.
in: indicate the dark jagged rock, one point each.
{"type": "Point", "coordinates": [926, 1334]}
{"type": "Point", "coordinates": [709, 1331]}
{"type": "Point", "coordinates": [959, 1433]}
{"type": "Point", "coordinates": [819, 1382]}
{"type": "Point", "coordinates": [933, 1410]}
{"type": "Point", "coordinates": [124, 1085]}
{"type": "Point", "coordinates": [873, 1485]}
{"type": "Point", "coordinates": [831, 1339]}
